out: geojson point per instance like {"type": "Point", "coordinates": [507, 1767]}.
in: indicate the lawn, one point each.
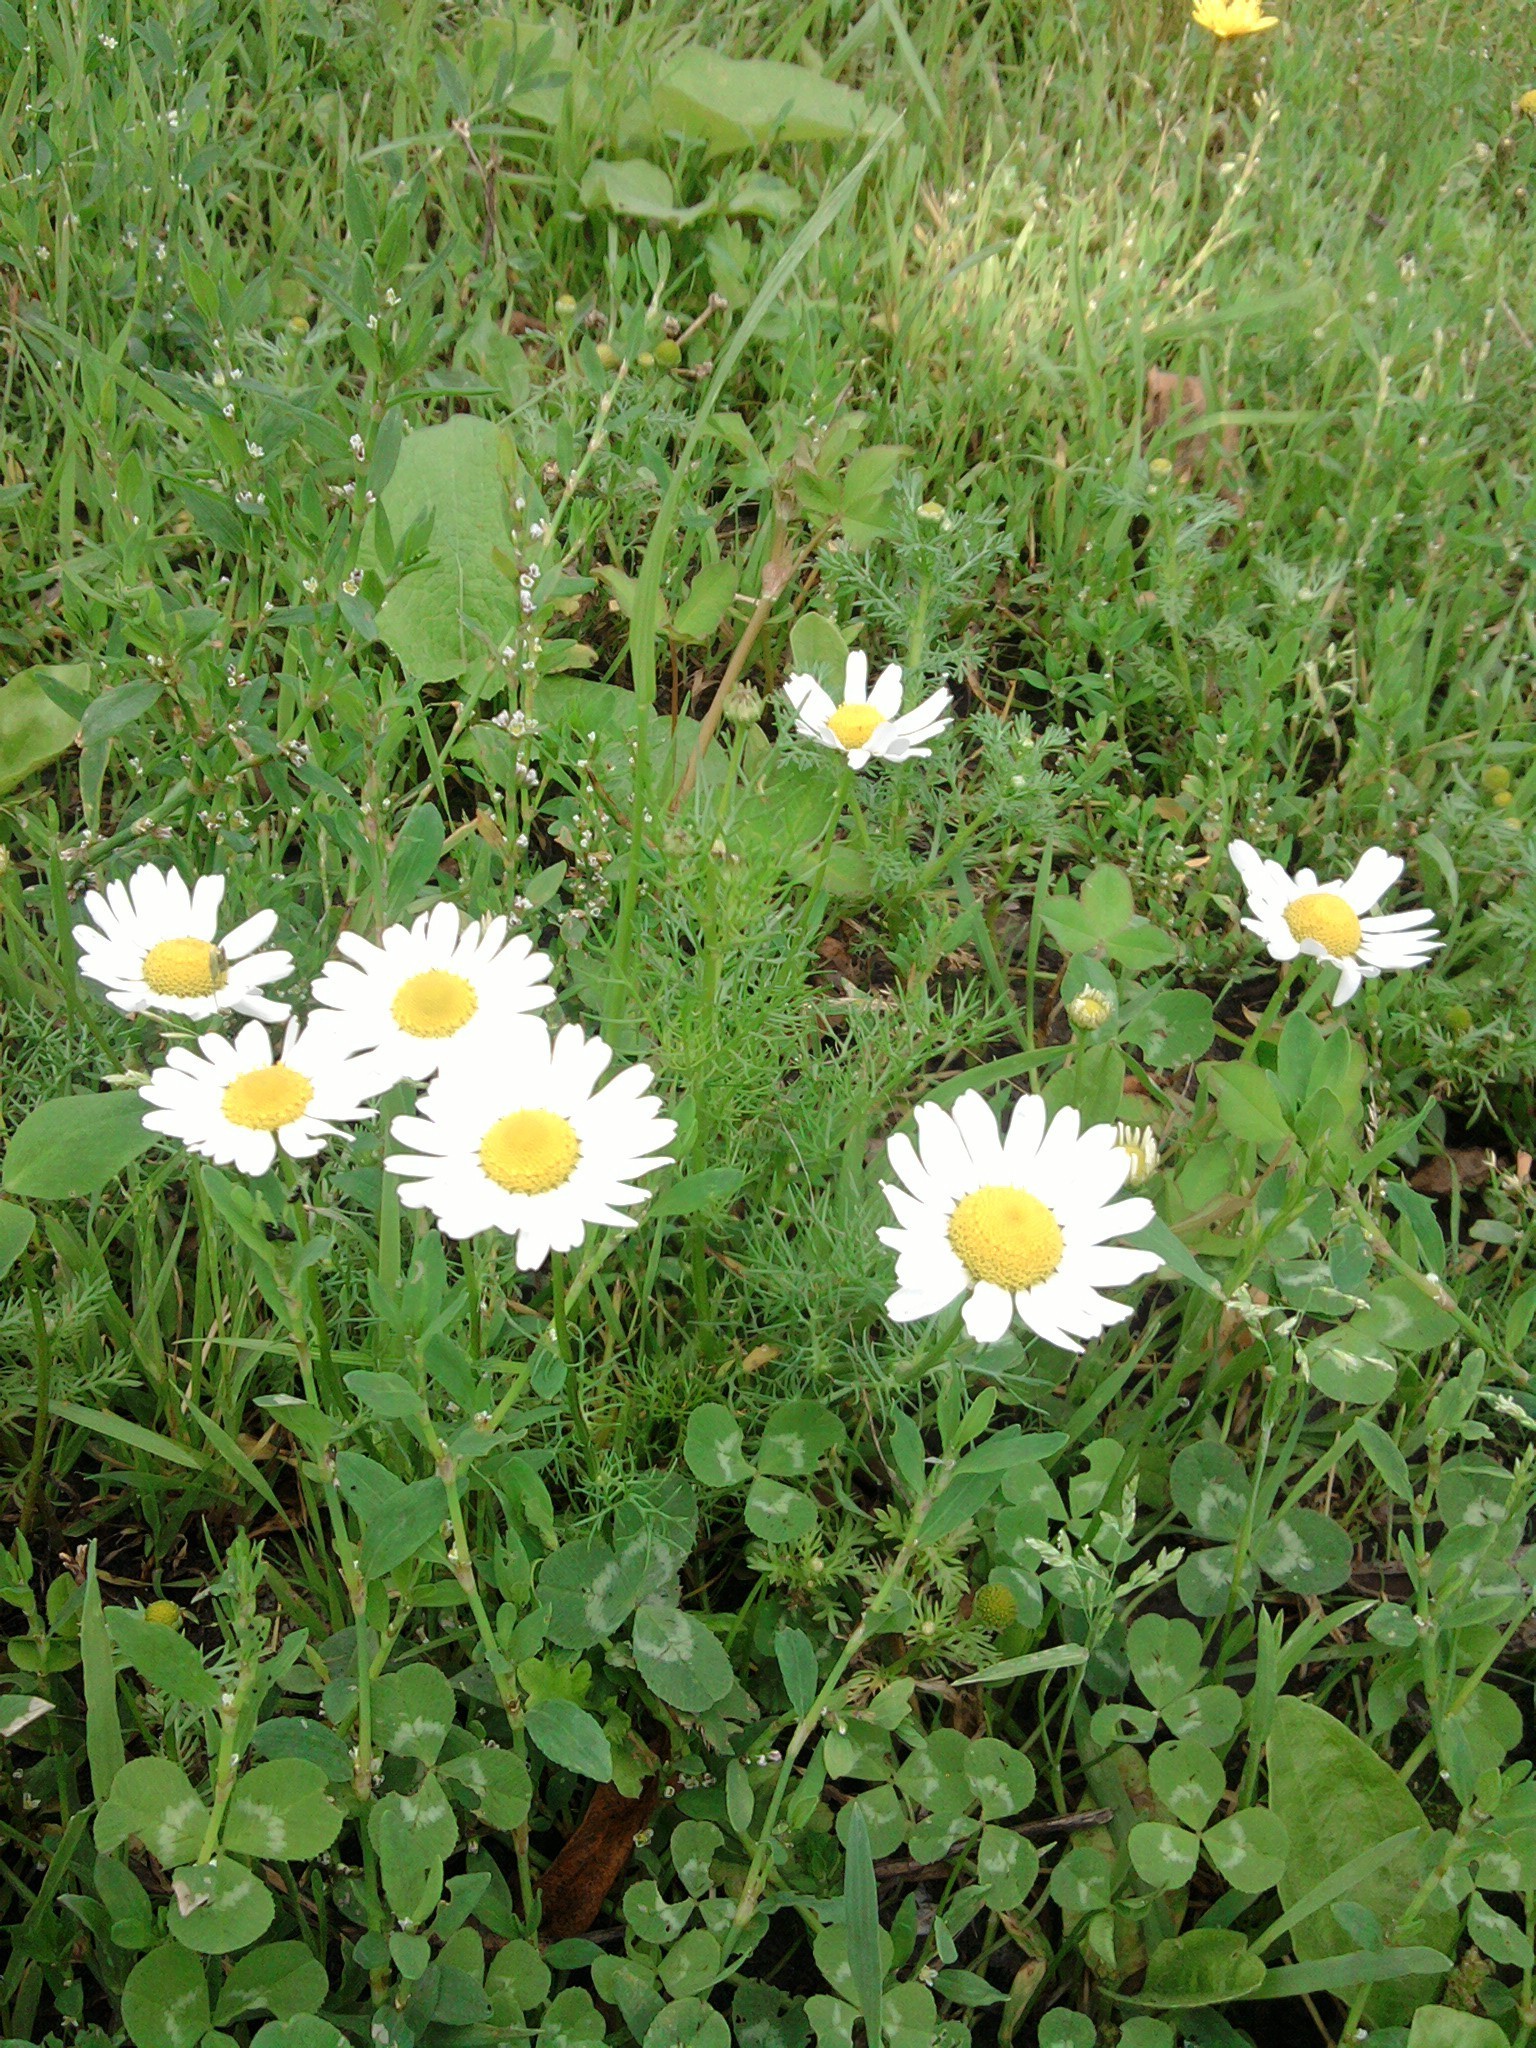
{"type": "Point", "coordinates": [861, 1372]}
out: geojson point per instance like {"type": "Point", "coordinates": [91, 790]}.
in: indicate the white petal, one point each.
{"type": "Point", "coordinates": [978, 1131]}
{"type": "Point", "coordinates": [1026, 1127]}
{"type": "Point", "coordinates": [886, 695]}
{"type": "Point", "coordinates": [1375, 872]}
{"type": "Point", "coordinates": [988, 1312]}
{"type": "Point", "coordinates": [856, 678]}
{"type": "Point", "coordinates": [1350, 978]}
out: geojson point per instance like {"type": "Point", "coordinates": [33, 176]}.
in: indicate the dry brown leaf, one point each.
{"type": "Point", "coordinates": [575, 1885]}
{"type": "Point", "coordinates": [1175, 402]}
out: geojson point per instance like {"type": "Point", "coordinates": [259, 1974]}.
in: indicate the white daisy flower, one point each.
{"type": "Point", "coordinates": [425, 987]}
{"type": "Point", "coordinates": [518, 1137]}
{"type": "Point", "coordinates": [868, 723]}
{"type": "Point", "coordinates": [1021, 1223]}
{"type": "Point", "coordinates": [1328, 921]}
{"type": "Point", "coordinates": [153, 945]}
{"type": "Point", "coordinates": [237, 1105]}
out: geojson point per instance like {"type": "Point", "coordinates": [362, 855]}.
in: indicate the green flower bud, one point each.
{"type": "Point", "coordinates": [994, 1607]}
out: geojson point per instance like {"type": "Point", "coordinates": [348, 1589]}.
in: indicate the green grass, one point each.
{"type": "Point", "coordinates": [899, 386]}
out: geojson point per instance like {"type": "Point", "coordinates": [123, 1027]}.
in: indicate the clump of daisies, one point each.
{"type": "Point", "coordinates": [513, 1135]}
{"type": "Point", "coordinates": [1330, 921]}
{"type": "Point", "coordinates": [868, 724]}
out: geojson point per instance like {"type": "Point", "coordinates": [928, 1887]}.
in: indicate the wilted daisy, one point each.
{"type": "Point", "coordinates": [868, 723]}
{"type": "Point", "coordinates": [238, 1106]}
{"type": "Point", "coordinates": [519, 1138]}
{"type": "Point", "coordinates": [425, 987]}
{"type": "Point", "coordinates": [1328, 921]}
{"type": "Point", "coordinates": [153, 945]}
{"type": "Point", "coordinates": [1228, 18]}
{"type": "Point", "coordinates": [1020, 1223]}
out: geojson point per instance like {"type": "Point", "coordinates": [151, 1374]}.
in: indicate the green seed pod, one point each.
{"type": "Point", "coordinates": [608, 355]}
{"type": "Point", "coordinates": [668, 354]}
{"type": "Point", "coordinates": [1495, 778]}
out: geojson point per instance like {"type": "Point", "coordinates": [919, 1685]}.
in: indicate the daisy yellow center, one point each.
{"type": "Point", "coordinates": [852, 724]}
{"type": "Point", "coordinates": [434, 1004]}
{"type": "Point", "coordinates": [1007, 1237]}
{"type": "Point", "coordinates": [267, 1098]}
{"type": "Point", "coordinates": [1329, 920]}
{"type": "Point", "coordinates": [184, 967]}
{"type": "Point", "coordinates": [530, 1152]}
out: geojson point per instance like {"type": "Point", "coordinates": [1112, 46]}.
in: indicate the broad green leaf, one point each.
{"type": "Point", "coordinates": [1304, 1551]}
{"type": "Point", "coordinates": [74, 1145]}
{"type": "Point", "coordinates": [1209, 1485]}
{"type": "Point", "coordinates": [1205, 1580]}
{"type": "Point", "coordinates": [16, 1227]}
{"type": "Point", "coordinates": [1106, 902]}
{"type": "Point", "coordinates": [572, 2021]}
{"type": "Point", "coordinates": [414, 1519]}
{"type": "Point", "coordinates": [34, 728]}
{"type": "Point", "coordinates": [153, 1799]}
{"type": "Point", "coordinates": [412, 1712]}
{"type": "Point", "coordinates": [497, 1780]}
{"type": "Point", "coordinates": [456, 607]}
{"type": "Point", "coordinates": [219, 1906]}
{"type": "Point", "coordinates": [1249, 1849]}
{"type": "Point", "coordinates": [1246, 1104]}
{"type": "Point", "coordinates": [1188, 1780]}
{"type": "Point", "coordinates": [1337, 1797]}
{"type": "Point", "coordinates": [691, 1965]}
{"type": "Point", "coordinates": [779, 1513]}
{"type": "Point", "coordinates": [687, 2023]}
{"type": "Point", "coordinates": [679, 1659]}
{"type": "Point", "coordinates": [861, 1923]}
{"type": "Point", "coordinates": [1173, 1028]}
{"type": "Point", "coordinates": [280, 1977]}
{"type": "Point", "coordinates": [1442, 2026]}
{"type": "Point", "coordinates": [1007, 1865]}
{"type": "Point", "coordinates": [636, 189]}
{"type": "Point", "coordinates": [304, 2030]}
{"type": "Point", "coordinates": [796, 1437]}
{"type": "Point", "coordinates": [731, 103]}
{"type": "Point", "coordinates": [1500, 1938]}
{"type": "Point", "coordinates": [429, 1822]}
{"type": "Point", "coordinates": [1207, 1966]}
{"type": "Point", "coordinates": [1164, 1655]}
{"type": "Point", "coordinates": [570, 1737]}
{"type": "Point", "coordinates": [590, 1592]}
{"type": "Point", "coordinates": [1350, 1364]}
{"type": "Point", "coordinates": [103, 1729]}
{"type": "Point", "coordinates": [1001, 1779]}
{"type": "Point", "coordinates": [1163, 1856]}
{"type": "Point", "coordinates": [695, 1191]}
{"type": "Point", "coordinates": [712, 1446]}
{"type": "Point", "coordinates": [692, 1848]}
{"type": "Point", "coordinates": [709, 599]}
{"type": "Point", "coordinates": [389, 1394]}
{"type": "Point", "coordinates": [280, 1809]}
{"type": "Point", "coordinates": [797, 1666]}
{"type": "Point", "coordinates": [817, 648]}
{"type": "Point", "coordinates": [165, 2000]}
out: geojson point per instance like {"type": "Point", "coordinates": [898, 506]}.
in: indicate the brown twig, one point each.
{"type": "Point", "coordinates": [781, 566]}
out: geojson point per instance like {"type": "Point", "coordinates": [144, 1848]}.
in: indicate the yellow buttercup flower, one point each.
{"type": "Point", "coordinates": [1526, 104]}
{"type": "Point", "coordinates": [1228, 18]}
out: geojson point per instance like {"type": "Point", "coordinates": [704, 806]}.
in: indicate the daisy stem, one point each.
{"type": "Point", "coordinates": [1272, 1007]}
{"type": "Point", "coordinates": [557, 1280]}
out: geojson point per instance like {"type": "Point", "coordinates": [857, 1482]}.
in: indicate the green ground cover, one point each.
{"type": "Point", "coordinates": [432, 437]}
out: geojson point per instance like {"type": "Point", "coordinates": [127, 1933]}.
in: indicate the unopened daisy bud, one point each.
{"type": "Point", "coordinates": [668, 354]}
{"type": "Point", "coordinates": [163, 1613]}
{"type": "Point", "coordinates": [741, 705]}
{"type": "Point", "coordinates": [565, 305]}
{"type": "Point", "coordinates": [934, 513]}
{"type": "Point", "coordinates": [608, 355]}
{"type": "Point", "coordinates": [1494, 778]}
{"type": "Point", "coordinates": [1090, 1008]}
{"type": "Point", "coordinates": [1458, 1018]}
{"type": "Point", "coordinates": [1160, 466]}
{"type": "Point", "coordinates": [1139, 1144]}
{"type": "Point", "coordinates": [1526, 104]}
{"type": "Point", "coordinates": [994, 1608]}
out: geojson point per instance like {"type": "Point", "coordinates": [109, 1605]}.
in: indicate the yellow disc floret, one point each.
{"type": "Point", "coordinates": [1006, 1236]}
{"type": "Point", "coordinates": [1329, 920]}
{"type": "Point", "coordinates": [434, 1004]}
{"type": "Point", "coordinates": [267, 1098]}
{"type": "Point", "coordinates": [530, 1152]}
{"type": "Point", "coordinates": [184, 967]}
{"type": "Point", "coordinates": [851, 725]}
